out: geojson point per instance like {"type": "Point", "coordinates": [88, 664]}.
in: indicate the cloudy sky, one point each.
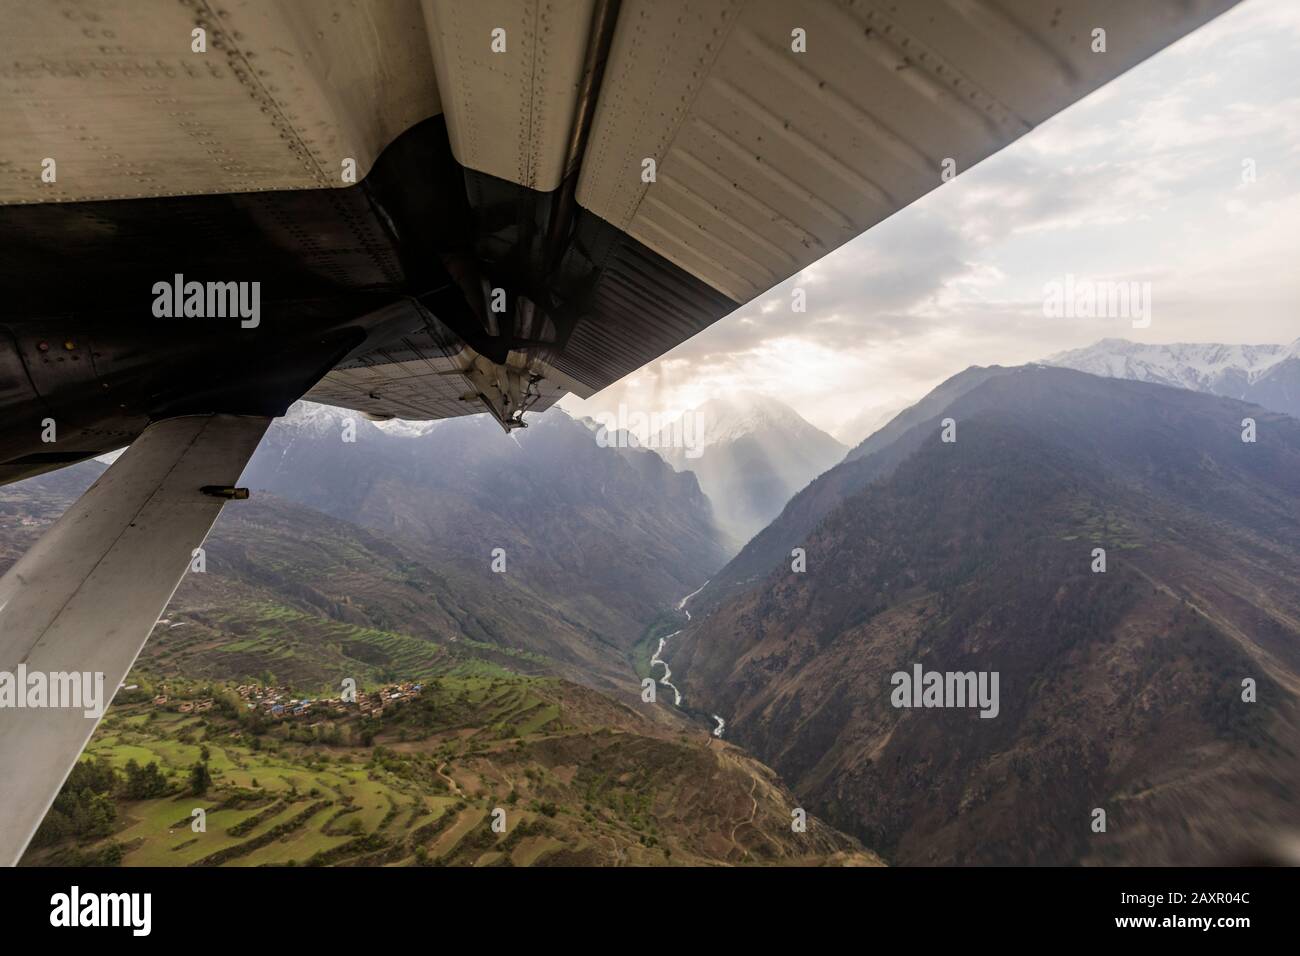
{"type": "Point", "coordinates": [1141, 181]}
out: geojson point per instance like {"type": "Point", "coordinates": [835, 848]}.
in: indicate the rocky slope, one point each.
{"type": "Point", "coordinates": [1119, 690]}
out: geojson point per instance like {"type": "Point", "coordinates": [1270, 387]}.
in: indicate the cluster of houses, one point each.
{"type": "Point", "coordinates": [279, 703]}
{"type": "Point", "coordinates": [186, 706]}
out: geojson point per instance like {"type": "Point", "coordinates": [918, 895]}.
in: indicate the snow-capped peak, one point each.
{"type": "Point", "coordinates": [311, 417]}
{"type": "Point", "coordinates": [402, 428]}
{"type": "Point", "coordinates": [316, 418]}
{"type": "Point", "coordinates": [1207, 367]}
{"type": "Point", "coordinates": [729, 418]}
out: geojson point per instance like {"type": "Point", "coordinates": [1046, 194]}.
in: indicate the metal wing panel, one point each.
{"type": "Point", "coordinates": [639, 306]}
{"type": "Point", "coordinates": [114, 93]}
{"type": "Point", "coordinates": [510, 109]}
{"type": "Point", "coordinates": [766, 158]}
{"type": "Point", "coordinates": [415, 389]}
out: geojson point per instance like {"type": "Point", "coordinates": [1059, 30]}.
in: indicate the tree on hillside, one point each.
{"type": "Point", "coordinates": [143, 783]}
{"type": "Point", "coordinates": [200, 779]}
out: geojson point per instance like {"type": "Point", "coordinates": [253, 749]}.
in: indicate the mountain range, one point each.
{"type": "Point", "coordinates": [398, 529]}
{"type": "Point", "coordinates": [1267, 375]}
{"type": "Point", "coordinates": [600, 538]}
{"type": "Point", "coordinates": [1121, 690]}
{"type": "Point", "coordinates": [294, 597]}
{"type": "Point", "coordinates": [960, 537]}
{"type": "Point", "coordinates": [751, 453]}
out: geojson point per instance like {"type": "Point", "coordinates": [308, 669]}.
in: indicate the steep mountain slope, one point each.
{"type": "Point", "coordinates": [309, 598]}
{"type": "Point", "coordinates": [294, 593]}
{"type": "Point", "coordinates": [878, 453]}
{"type": "Point", "coordinates": [751, 453]}
{"type": "Point", "coordinates": [868, 421]}
{"type": "Point", "coordinates": [1119, 690]}
{"type": "Point", "coordinates": [389, 539]}
{"type": "Point", "coordinates": [1267, 375]}
{"type": "Point", "coordinates": [605, 536]}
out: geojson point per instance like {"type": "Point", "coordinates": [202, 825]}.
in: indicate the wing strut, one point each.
{"type": "Point", "coordinates": [82, 602]}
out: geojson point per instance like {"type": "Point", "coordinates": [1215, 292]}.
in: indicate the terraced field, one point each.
{"type": "Point", "coordinates": [261, 639]}
{"type": "Point", "coordinates": [574, 777]}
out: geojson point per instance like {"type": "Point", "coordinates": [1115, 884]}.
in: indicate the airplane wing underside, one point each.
{"type": "Point", "coordinates": [357, 155]}
{"type": "Point", "coordinates": [209, 210]}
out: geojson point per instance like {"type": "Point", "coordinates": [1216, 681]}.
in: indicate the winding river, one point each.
{"type": "Point", "coordinates": [663, 641]}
